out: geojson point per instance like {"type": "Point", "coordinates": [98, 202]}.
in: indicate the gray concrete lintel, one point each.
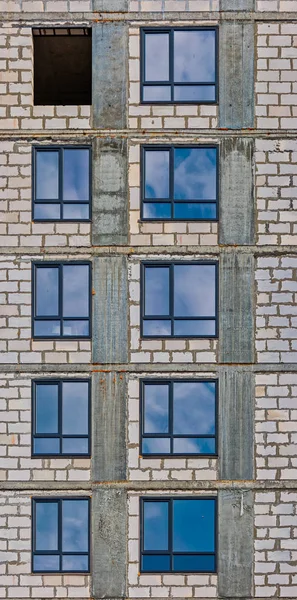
{"type": "Point", "coordinates": [110, 5]}
{"type": "Point", "coordinates": [237, 5]}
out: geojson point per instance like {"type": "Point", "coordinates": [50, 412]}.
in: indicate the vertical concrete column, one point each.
{"type": "Point", "coordinates": [109, 543]}
{"type": "Point", "coordinates": [109, 426]}
{"type": "Point", "coordinates": [110, 323]}
{"type": "Point", "coordinates": [236, 80]}
{"type": "Point", "coordinates": [110, 75]}
{"type": "Point", "coordinates": [236, 544]}
{"type": "Point", "coordinates": [237, 5]}
{"type": "Point", "coordinates": [110, 5]}
{"type": "Point", "coordinates": [236, 310]}
{"type": "Point", "coordinates": [237, 206]}
{"type": "Point", "coordinates": [110, 192]}
{"type": "Point", "coordinates": [236, 423]}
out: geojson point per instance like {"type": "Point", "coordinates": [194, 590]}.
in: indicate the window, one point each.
{"type": "Point", "coordinates": [62, 300]}
{"type": "Point", "coordinates": [178, 417]}
{"type": "Point", "coordinates": [178, 535]}
{"type": "Point", "coordinates": [179, 65]}
{"type": "Point", "coordinates": [61, 183]}
{"type": "Point", "coordinates": [62, 65]}
{"type": "Point", "coordinates": [60, 535]}
{"type": "Point", "coordinates": [179, 183]}
{"type": "Point", "coordinates": [179, 299]}
{"type": "Point", "coordinates": [61, 417]}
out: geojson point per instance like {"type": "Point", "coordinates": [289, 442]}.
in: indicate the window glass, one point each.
{"type": "Point", "coordinates": [156, 409]}
{"type": "Point", "coordinates": [47, 175]}
{"type": "Point", "coordinates": [46, 408]}
{"type": "Point", "coordinates": [194, 408]}
{"type": "Point", "coordinates": [74, 531]}
{"type": "Point", "coordinates": [76, 174]}
{"type": "Point", "coordinates": [194, 56]}
{"type": "Point", "coordinates": [75, 291]}
{"type": "Point", "coordinates": [195, 173]}
{"type": "Point", "coordinates": [194, 290]}
{"type": "Point", "coordinates": [157, 174]}
{"type": "Point", "coordinates": [47, 291]}
{"type": "Point", "coordinates": [75, 407]}
{"type": "Point", "coordinates": [157, 57]}
{"type": "Point", "coordinates": [155, 526]}
{"type": "Point", "coordinates": [157, 291]}
{"type": "Point", "coordinates": [193, 526]}
{"type": "Point", "coordinates": [46, 526]}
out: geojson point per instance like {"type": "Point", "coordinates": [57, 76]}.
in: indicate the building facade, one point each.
{"type": "Point", "coordinates": [148, 286]}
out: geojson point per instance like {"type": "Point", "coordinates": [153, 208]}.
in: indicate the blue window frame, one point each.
{"type": "Point", "coordinates": [61, 183]}
{"type": "Point", "coordinates": [61, 535]}
{"type": "Point", "coordinates": [179, 65]}
{"type": "Point", "coordinates": [178, 417]}
{"type": "Point", "coordinates": [178, 535]}
{"type": "Point", "coordinates": [179, 183]}
{"type": "Point", "coordinates": [61, 417]}
{"type": "Point", "coordinates": [179, 299]}
{"type": "Point", "coordinates": [61, 300]}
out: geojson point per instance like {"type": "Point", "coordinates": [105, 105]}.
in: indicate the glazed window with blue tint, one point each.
{"type": "Point", "coordinates": [179, 183]}
{"type": "Point", "coordinates": [61, 300]}
{"type": "Point", "coordinates": [179, 65]}
{"type": "Point", "coordinates": [61, 416]}
{"type": "Point", "coordinates": [61, 183]}
{"type": "Point", "coordinates": [178, 418]}
{"type": "Point", "coordinates": [178, 535]}
{"type": "Point", "coordinates": [60, 534]}
{"type": "Point", "coordinates": [179, 300]}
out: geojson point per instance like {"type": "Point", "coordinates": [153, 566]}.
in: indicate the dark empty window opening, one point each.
{"type": "Point", "coordinates": [62, 66]}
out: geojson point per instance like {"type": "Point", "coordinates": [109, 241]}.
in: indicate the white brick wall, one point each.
{"type": "Point", "coordinates": [173, 5]}
{"type": "Point", "coordinates": [45, 5]}
{"type": "Point", "coordinates": [161, 585]}
{"type": "Point", "coordinates": [152, 116]}
{"type": "Point", "coordinates": [276, 426]}
{"type": "Point", "coordinates": [15, 555]}
{"type": "Point", "coordinates": [158, 350]}
{"type": "Point", "coordinates": [277, 5]}
{"type": "Point", "coordinates": [275, 544]}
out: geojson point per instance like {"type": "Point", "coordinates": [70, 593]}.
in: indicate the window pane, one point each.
{"type": "Point", "coordinates": [46, 526]}
{"type": "Point", "coordinates": [207, 212]}
{"type": "Point", "coordinates": [47, 211]}
{"type": "Point", "coordinates": [46, 446]}
{"type": "Point", "coordinates": [156, 210]}
{"type": "Point", "coordinates": [157, 328]}
{"type": "Point", "coordinates": [194, 93]}
{"type": "Point", "coordinates": [75, 407]}
{"type": "Point", "coordinates": [47, 175]}
{"type": "Point", "coordinates": [47, 291]}
{"type": "Point", "coordinates": [193, 526]}
{"type": "Point", "coordinates": [75, 446]}
{"type": "Point", "coordinates": [156, 57]}
{"type": "Point", "coordinates": [46, 563]}
{"type": "Point", "coordinates": [76, 174]}
{"type": "Point", "coordinates": [155, 520]}
{"type": "Point", "coordinates": [75, 291]}
{"type": "Point", "coordinates": [194, 446]}
{"type": "Point", "coordinates": [155, 445]}
{"type": "Point", "coordinates": [194, 328]}
{"type": "Point", "coordinates": [46, 407]}
{"type": "Point", "coordinates": [194, 408]}
{"type": "Point", "coordinates": [154, 93]}
{"type": "Point", "coordinates": [76, 212]}
{"type": "Point", "coordinates": [156, 291]}
{"type": "Point", "coordinates": [199, 563]}
{"type": "Point", "coordinates": [75, 525]}
{"type": "Point", "coordinates": [194, 290]}
{"type": "Point", "coordinates": [195, 175]}
{"type": "Point", "coordinates": [156, 408]}
{"type": "Point", "coordinates": [76, 328]}
{"type": "Point", "coordinates": [47, 328]}
{"type": "Point", "coordinates": [75, 563]}
{"type": "Point", "coordinates": [156, 173]}
{"type": "Point", "coordinates": [156, 563]}
{"type": "Point", "coordinates": [194, 56]}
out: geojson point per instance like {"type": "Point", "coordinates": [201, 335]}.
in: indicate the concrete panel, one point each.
{"type": "Point", "coordinates": [110, 323]}
{"type": "Point", "coordinates": [109, 542]}
{"type": "Point", "coordinates": [236, 80]}
{"type": "Point", "coordinates": [237, 207]}
{"type": "Point", "coordinates": [109, 427]}
{"type": "Point", "coordinates": [110, 75]}
{"type": "Point", "coordinates": [236, 313]}
{"type": "Point", "coordinates": [237, 5]}
{"type": "Point", "coordinates": [110, 5]}
{"type": "Point", "coordinates": [236, 424]}
{"type": "Point", "coordinates": [110, 192]}
{"type": "Point", "coordinates": [235, 552]}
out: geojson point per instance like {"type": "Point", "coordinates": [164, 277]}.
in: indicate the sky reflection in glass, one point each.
{"type": "Point", "coordinates": [155, 517]}
{"type": "Point", "coordinates": [47, 175]}
{"type": "Point", "coordinates": [46, 408]}
{"type": "Point", "coordinates": [76, 174]}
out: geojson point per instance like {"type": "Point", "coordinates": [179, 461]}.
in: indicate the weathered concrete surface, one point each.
{"type": "Point", "coordinates": [236, 77]}
{"type": "Point", "coordinates": [109, 542]}
{"type": "Point", "coordinates": [237, 206]}
{"type": "Point", "coordinates": [110, 75]}
{"type": "Point", "coordinates": [237, 5]}
{"type": "Point", "coordinates": [110, 5]}
{"type": "Point", "coordinates": [110, 323]}
{"type": "Point", "coordinates": [110, 192]}
{"type": "Point", "coordinates": [109, 427]}
{"type": "Point", "coordinates": [236, 308]}
{"type": "Point", "coordinates": [236, 424]}
{"type": "Point", "coordinates": [235, 552]}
